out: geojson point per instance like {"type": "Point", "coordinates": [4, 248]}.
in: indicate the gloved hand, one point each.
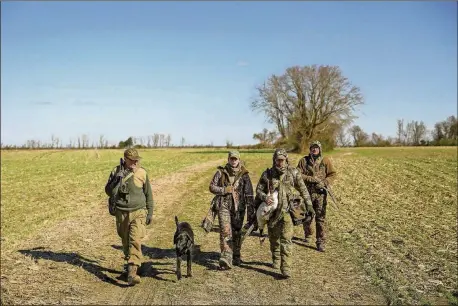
{"type": "Point", "coordinates": [320, 185]}
{"type": "Point", "coordinates": [228, 189]}
{"type": "Point", "coordinates": [149, 217]}
{"type": "Point", "coordinates": [120, 175]}
{"type": "Point", "coordinates": [269, 200]}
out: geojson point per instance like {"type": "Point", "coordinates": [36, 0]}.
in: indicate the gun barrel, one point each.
{"type": "Point", "coordinates": [331, 194]}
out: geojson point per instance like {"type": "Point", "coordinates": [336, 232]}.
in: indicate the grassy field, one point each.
{"type": "Point", "coordinates": [395, 229]}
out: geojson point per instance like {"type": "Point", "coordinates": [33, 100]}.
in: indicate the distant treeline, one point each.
{"type": "Point", "coordinates": [305, 103]}
{"type": "Point", "coordinates": [413, 133]}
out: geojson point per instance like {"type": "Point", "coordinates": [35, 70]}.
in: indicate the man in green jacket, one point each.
{"type": "Point", "coordinates": [130, 189]}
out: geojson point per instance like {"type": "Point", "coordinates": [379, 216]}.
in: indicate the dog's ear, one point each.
{"type": "Point", "coordinates": [176, 221]}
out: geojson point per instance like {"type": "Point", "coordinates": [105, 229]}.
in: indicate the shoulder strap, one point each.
{"type": "Point", "coordinates": [124, 179]}
{"type": "Point", "coordinates": [223, 177]}
{"type": "Point", "coordinates": [239, 175]}
{"type": "Point", "coordinates": [269, 179]}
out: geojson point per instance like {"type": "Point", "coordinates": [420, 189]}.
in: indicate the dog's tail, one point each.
{"type": "Point", "coordinates": [176, 221]}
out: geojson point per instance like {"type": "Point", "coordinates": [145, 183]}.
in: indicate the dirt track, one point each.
{"type": "Point", "coordinates": [79, 261]}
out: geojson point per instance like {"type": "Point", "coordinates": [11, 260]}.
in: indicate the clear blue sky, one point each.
{"type": "Point", "coordinates": [189, 69]}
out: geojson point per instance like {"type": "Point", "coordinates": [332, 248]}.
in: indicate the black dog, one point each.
{"type": "Point", "coordinates": [184, 242]}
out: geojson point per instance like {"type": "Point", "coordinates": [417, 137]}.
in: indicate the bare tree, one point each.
{"type": "Point", "coordinates": [54, 141]}
{"type": "Point", "coordinates": [161, 140]}
{"type": "Point", "coordinates": [416, 132]}
{"type": "Point", "coordinates": [101, 141]}
{"type": "Point", "coordinates": [306, 99]}
{"type": "Point", "coordinates": [182, 141]}
{"type": "Point", "coordinates": [156, 140]}
{"type": "Point", "coordinates": [342, 139]}
{"type": "Point", "coordinates": [168, 139]}
{"type": "Point", "coordinates": [85, 140]}
{"type": "Point", "coordinates": [360, 138]}
{"type": "Point", "coordinates": [438, 132]}
{"type": "Point", "coordinates": [401, 132]}
{"type": "Point", "coordinates": [262, 137]}
{"type": "Point", "coordinates": [377, 140]}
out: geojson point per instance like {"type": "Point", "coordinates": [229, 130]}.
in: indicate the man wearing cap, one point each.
{"type": "Point", "coordinates": [288, 182]}
{"type": "Point", "coordinates": [130, 188]}
{"type": "Point", "coordinates": [232, 185]}
{"type": "Point", "coordinates": [317, 173]}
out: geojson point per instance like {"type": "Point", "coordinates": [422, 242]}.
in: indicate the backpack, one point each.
{"type": "Point", "coordinates": [116, 189]}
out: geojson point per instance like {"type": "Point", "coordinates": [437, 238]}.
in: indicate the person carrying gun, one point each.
{"type": "Point", "coordinates": [318, 174]}
{"type": "Point", "coordinates": [234, 192]}
{"type": "Point", "coordinates": [131, 202]}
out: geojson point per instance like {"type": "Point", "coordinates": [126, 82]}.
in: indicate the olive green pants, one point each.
{"type": "Point", "coordinates": [281, 244]}
{"type": "Point", "coordinates": [132, 229]}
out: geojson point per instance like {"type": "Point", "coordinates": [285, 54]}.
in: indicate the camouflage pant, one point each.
{"type": "Point", "coordinates": [230, 224]}
{"type": "Point", "coordinates": [319, 205]}
{"type": "Point", "coordinates": [131, 228]}
{"type": "Point", "coordinates": [281, 244]}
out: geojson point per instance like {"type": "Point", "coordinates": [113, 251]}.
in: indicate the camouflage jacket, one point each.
{"type": "Point", "coordinates": [290, 186]}
{"type": "Point", "coordinates": [242, 194]}
{"type": "Point", "coordinates": [316, 169]}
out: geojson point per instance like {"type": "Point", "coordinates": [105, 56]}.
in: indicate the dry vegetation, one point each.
{"type": "Point", "coordinates": [393, 239]}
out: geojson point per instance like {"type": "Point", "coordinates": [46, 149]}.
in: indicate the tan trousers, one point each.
{"type": "Point", "coordinates": [132, 229]}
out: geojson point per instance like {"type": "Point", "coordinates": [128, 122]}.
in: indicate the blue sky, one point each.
{"type": "Point", "coordinates": [190, 68]}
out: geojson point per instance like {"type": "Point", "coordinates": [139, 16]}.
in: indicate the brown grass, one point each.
{"type": "Point", "coordinates": [392, 241]}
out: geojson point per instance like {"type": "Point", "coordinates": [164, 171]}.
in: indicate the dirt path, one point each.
{"type": "Point", "coordinates": [80, 262]}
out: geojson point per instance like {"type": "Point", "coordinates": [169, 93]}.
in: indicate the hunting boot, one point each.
{"type": "Point", "coordinates": [320, 247]}
{"type": "Point", "coordinates": [286, 272]}
{"type": "Point", "coordinates": [236, 261]}
{"type": "Point", "coordinates": [224, 264]}
{"type": "Point", "coordinates": [133, 278]}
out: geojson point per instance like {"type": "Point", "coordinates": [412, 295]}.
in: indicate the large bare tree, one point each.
{"type": "Point", "coordinates": [307, 101]}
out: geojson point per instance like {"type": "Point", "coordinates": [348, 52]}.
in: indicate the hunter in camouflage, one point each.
{"type": "Point", "coordinates": [130, 188]}
{"type": "Point", "coordinates": [289, 184]}
{"type": "Point", "coordinates": [234, 192]}
{"type": "Point", "coordinates": [318, 173]}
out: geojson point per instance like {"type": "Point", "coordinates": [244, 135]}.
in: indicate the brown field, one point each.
{"type": "Point", "coordinates": [393, 239]}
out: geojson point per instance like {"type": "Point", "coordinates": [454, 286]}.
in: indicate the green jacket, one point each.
{"type": "Point", "coordinates": [289, 185]}
{"type": "Point", "coordinates": [135, 193]}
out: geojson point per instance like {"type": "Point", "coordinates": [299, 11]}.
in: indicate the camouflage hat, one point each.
{"type": "Point", "coordinates": [235, 154]}
{"type": "Point", "coordinates": [280, 154]}
{"type": "Point", "coordinates": [315, 143]}
{"type": "Point", "coordinates": [132, 154]}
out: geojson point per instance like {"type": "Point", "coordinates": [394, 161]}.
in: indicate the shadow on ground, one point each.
{"type": "Point", "coordinates": [301, 243]}
{"type": "Point", "coordinates": [254, 266]}
{"type": "Point", "coordinates": [77, 260]}
{"type": "Point", "coordinates": [208, 260]}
